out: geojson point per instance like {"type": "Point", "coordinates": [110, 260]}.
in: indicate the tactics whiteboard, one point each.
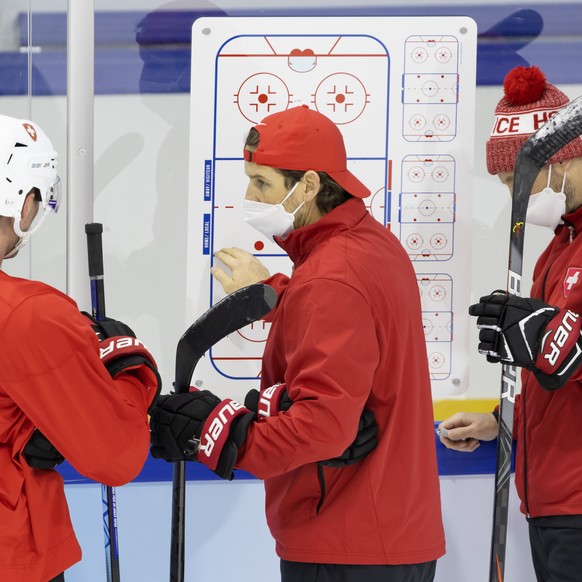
{"type": "Point", "coordinates": [402, 91]}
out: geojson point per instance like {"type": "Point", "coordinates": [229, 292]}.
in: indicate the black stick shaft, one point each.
{"type": "Point", "coordinates": [177, 549]}
{"type": "Point", "coordinates": [94, 233]}
{"type": "Point", "coordinates": [526, 172]}
{"type": "Point", "coordinates": [228, 315]}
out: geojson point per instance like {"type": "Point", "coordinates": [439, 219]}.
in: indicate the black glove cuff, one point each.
{"type": "Point", "coordinates": [40, 453]}
{"type": "Point", "coordinates": [108, 327]}
{"type": "Point", "coordinates": [252, 400]}
{"type": "Point", "coordinates": [116, 366]}
{"type": "Point", "coordinates": [554, 381]}
{"type": "Point", "coordinates": [236, 437]}
{"type": "Point", "coordinates": [240, 427]}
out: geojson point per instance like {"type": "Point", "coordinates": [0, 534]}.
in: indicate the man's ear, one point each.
{"type": "Point", "coordinates": [29, 210]}
{"type": "Point", "coordinates": [312, 185]}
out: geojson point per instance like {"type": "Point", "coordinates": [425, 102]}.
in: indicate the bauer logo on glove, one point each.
{"type": "Point", "coordinates": [531, 334]}
{"type": "Point", "coordinates": [199, 426]}
{"type": "Point", "coordinates": [118, 345]}
{"type": "Point", "coordinates": [554, 342]}
{"type": "Point", "coordinates": [214, 434]}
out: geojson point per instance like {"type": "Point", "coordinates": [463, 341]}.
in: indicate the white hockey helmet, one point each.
{"type": "Point", "coordinates": [27, 160]}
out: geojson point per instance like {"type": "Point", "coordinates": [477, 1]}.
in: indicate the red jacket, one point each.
{"type": "Point", "coordinates": [548, 471]}
{"type": "Point", "coordinates": [347, 333]}
{"type": "Point", "coordinates": [52, 378]}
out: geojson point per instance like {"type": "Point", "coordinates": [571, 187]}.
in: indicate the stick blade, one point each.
{"type": "Point", "coordinates": [561, 129]}
{"type": "Point", "coordinates": [557, 132]}
{"type": "Point", "coordinates": [232, 313]}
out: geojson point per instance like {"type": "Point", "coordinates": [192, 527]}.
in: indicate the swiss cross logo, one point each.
{"type": "Point", "coordinates": [572, 278]}
{"type": "Point", "coordinates": [30, 130]}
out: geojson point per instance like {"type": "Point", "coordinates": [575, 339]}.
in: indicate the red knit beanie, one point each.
{"type": "Point", "coordinates": [529, 101]}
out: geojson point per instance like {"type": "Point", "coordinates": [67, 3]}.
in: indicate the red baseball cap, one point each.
{"type": "Point", "coordinates": [300, 138]}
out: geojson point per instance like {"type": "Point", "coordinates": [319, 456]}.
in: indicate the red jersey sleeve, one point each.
{"type": "Point", "coordinates": [49, 357]}
{"type": "Point", "coordinates": [331, 353]}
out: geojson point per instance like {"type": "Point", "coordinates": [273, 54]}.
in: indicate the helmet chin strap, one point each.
{"type": "Point", "coordinates": [24, 236]}
{"type": "Point", "coordinates": [21, 243]}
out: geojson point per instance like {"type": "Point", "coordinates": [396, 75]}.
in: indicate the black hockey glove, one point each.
{"type": "Point", "coordinates": [275, 399]}
{"type": "Point", "coordinates": [40, 453]}
{"type": "Point", "coordinates": [121, 351]}
{"type": "Point", "coordinates": [531, 334]}
{"type": "Point", "coordinates": [364, 443]}
{"type": "Point", "coordinates": [269, 402]}
{"type": "Point", "coordinates": [108, 327]}
{"type": "Point", "coordinates": [199, 426]}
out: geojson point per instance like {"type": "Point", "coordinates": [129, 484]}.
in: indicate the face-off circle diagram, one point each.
{"type": "Point", "coordinates": [342, 97]}
{"type": "Point", "coordinates": [419, 55]}
{"type": "Point", "coordinates": [262, 94]}
{"type": "Point", "coordinates": [416, 174]}
{"type": "Point", "coordinates": [440, 174]}
{"type": "Point", "coordinates": [441, 122]}
{"type": "Point", "coordinates": [437, 293]}
{"type": "Point", "coordinates": [438, 241]}
{"type": "Point", "coordinates": [430, 88]}
{"type": "Point", "coordinates": [426, 207]}
{"type": "Point", "coordinates": [417, 122]}
{"type": "Point", "coordinates": [436, 360]}
{"type": "Point", "coordinates": [443, 55]}
{"type": "Point", "coordinates": [414, 241]}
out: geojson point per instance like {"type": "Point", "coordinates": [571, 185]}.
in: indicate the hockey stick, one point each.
{"type": "Point", "coordinates": [94, 231]}
{"type": "Point", "coordinates": [233, 312]}
{"type": "Point", "coordinates": [560, 130]}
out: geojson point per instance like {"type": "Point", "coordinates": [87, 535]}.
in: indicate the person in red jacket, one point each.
{"type": "Point", "coordinates": [63, 393]}
{"type": "Point", "coordinates": [346, 335]}
{"type": "Point", "coordinates": [541, 334]}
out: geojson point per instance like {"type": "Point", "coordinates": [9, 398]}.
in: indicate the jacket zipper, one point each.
{"type": "Point", "coordinates": [524, 409]}
{"type": "Point", "coordinates": [321, 479]}
{"type": "Point", "coordinates": [525, 498]}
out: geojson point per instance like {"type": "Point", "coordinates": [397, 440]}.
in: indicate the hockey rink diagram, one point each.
{"type": "Point", "coordinates": [401, 90]}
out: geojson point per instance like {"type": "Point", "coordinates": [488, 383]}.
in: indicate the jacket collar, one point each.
{"type": "Point", "coordinates": [574, 219]}
{"type": "Point", "coordinates": [299, 243]}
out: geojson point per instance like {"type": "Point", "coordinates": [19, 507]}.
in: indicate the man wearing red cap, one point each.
{"type": "Point", "coordinates": [541, 334]}
{"type": "Point", "coordinates": [346, 336]}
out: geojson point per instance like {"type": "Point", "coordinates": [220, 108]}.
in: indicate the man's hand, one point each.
{"type": "Point", "coordinates": [464, 430]}
{"type": "Point", "coordinates": [364, 443]}
{"type": "Point", "coordinates": [121, 351]}
{"type": "Point", "coordinates": [245, 269]}
{"type": "Point", "coordinates": [199, 426]}
{"type": "Point", "coordinates": [275, 399]}
{"type": "Point", "coordinates": [40, 453]}
{"type": "Point", "coordinates": [531, 334]}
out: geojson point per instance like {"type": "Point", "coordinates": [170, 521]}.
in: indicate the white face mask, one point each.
{"type": "Point", "coordinates": [547, 207]}
{"type": "Point", "coordinates": [270, 219]}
